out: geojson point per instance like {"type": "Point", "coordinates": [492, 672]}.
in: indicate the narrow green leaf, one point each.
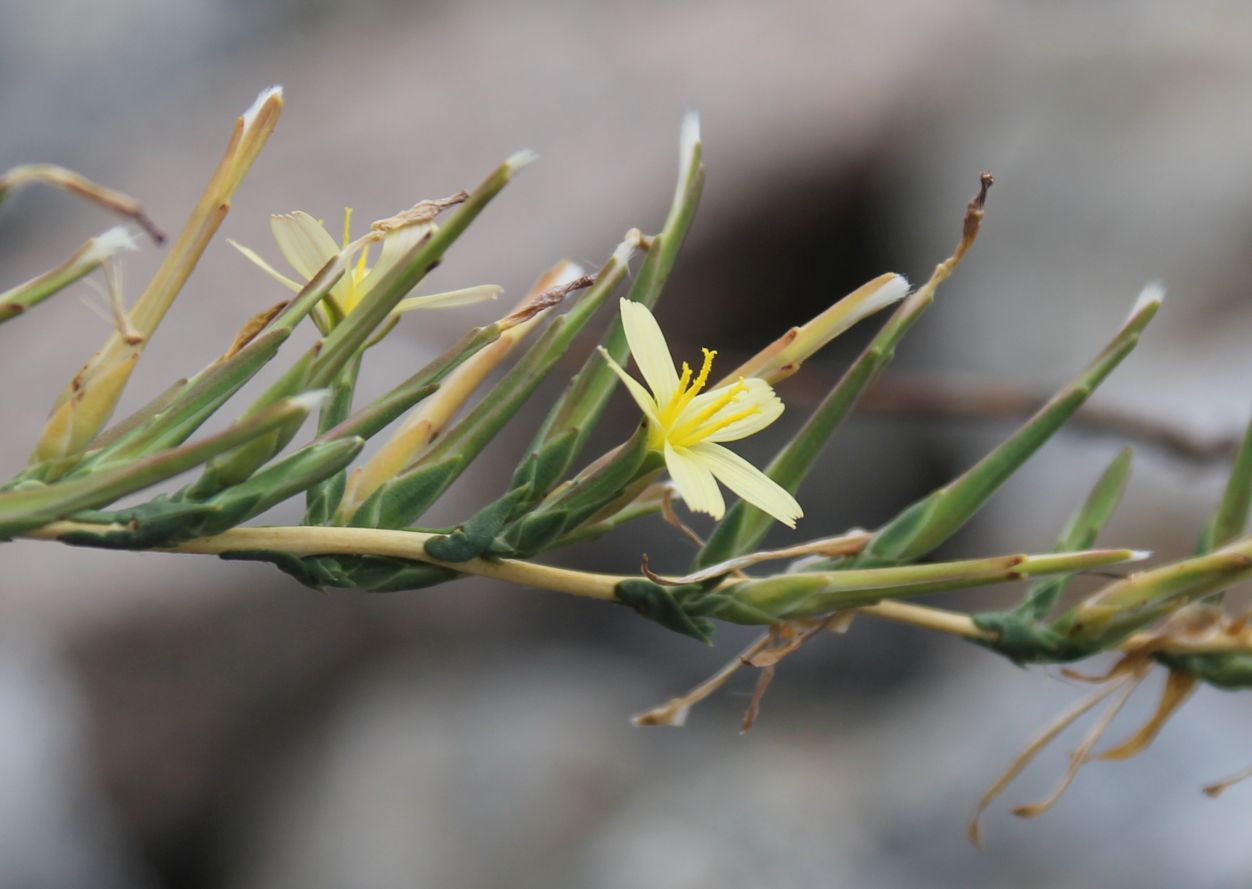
{"type": "Point", "coordinates": [564, 432]}
{"type": "Point", "coordinates": [199, 399]}
{"type": "Point", "coordinates": [26, 509]}
{"type": "Point", "coordinates": [181, 412]}
{"type": "Point", "coordinates": [233, 467]}
{"type": "Point", "coordinates": [1144, 597]}
{"type": "Point", "coordinates": [319, 367]}
{"type": "Point", "coordinates": [322, 498]}
{"type": "Point", "coordinates": [374, 417]}
{"type": "Point", "coordinates": [946, 510]}
{"type": "Point", "coordinates": [1080, 533]}
{"type": "Point", "coordinates": [303, 470]}
{"type": "Point", "coordinates": [581, 404]}
{"type": "Point", "coordinates": [744, 526]}
{"type": "Point", "coordinates": [167, 520]}
{"type": "Point", "coordinates": [474, 537]}
{"type": "Point", "coordinates": [18, 300]}
{"type": "Point", "coordinates": [788, 596]}
{"type": "Point", "coordinates": [608, 484]}
{"type": "Point", "coordinates": [485, 419]}
{"type": "Point", "coordinates": [584, 400]}
{"type": "Point", "coordinates": [397, 503]}
{"type": "Point", "coordinates": [1230, 521]}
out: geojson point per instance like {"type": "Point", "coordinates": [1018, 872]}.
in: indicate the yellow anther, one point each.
{"type": "Point", "coordinates": [697, 428]}
{"type": "Point", "coordinates": [709, 355]}
{"type": "Point", "coordinates": [724, 400]}
{"type": "Point", "coordinates": [687, 390]}
{"type": "Point", "coordinates": [686, 378]}
{"type": "Point", "coordinates": [728, 420]}
{"type": "Point", "coordinates": [669, 413]}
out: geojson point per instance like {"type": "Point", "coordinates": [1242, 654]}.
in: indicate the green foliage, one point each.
{"type": "Point", "coordinates": [555, 496]}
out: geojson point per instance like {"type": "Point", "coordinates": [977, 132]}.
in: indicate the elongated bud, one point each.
{"type": "Point", "coordinates": [783, 357]}
{"type": "Point", "coordinates": [789, 596]}
{"type": "Point", "coordinates": [88, 401]}
{"type": "Point", "coordinates": [253, 128]}
{"type": "Point", "coordinates": [23, 510]}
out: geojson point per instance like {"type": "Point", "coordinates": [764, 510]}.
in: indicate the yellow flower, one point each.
{"type": "Point", "coordinates": [686, 424]}
{"type": "Point", "coordinates": [307, 246]}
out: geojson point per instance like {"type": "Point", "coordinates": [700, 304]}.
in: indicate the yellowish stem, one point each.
{"type": "Point", "coordinates": [310, 541]}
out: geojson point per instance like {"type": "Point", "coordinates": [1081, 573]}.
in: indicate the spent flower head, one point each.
{"type": "Point", "coordinates": [687, 424]}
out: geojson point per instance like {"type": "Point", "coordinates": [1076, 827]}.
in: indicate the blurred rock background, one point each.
{"type": "Point", "coordinates": [185, 722]}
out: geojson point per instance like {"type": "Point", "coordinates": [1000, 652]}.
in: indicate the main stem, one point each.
{"type": "Point", "coordinates": [311, 541]}
{"type": "Point", "coordinates": [315, 541]}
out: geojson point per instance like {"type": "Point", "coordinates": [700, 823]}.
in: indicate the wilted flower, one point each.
{"type": "Point", "coordinates": [307, 246]}
{"type": "Point", "coordinates": [686, 424]}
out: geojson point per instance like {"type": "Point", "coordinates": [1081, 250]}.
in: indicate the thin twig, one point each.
{"type": "Point", "coordinates": [80, 185]}
{"type": "Point", "coordinates": [317, 540]}
{"type": "Point", "coordinates": [965, 398]}
{"type": "Point", "coordinates": [940, 398]}
{"type": "Point", "coordinates": [1217, 788]}
{"type": "Point", "coordinates": [674, 711]}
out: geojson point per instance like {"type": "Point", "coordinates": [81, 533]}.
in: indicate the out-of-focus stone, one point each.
{"type": "Point", "coordinates": [55, 828]}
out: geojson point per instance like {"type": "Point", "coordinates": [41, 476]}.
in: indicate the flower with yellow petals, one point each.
{"type": "Point", "coordinates": [307, 246]}
{"type": "Point", "coordinates": [687, 424]}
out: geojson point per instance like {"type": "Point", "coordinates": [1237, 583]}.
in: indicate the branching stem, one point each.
{"type": "Point", "coordinates": [308, 541]}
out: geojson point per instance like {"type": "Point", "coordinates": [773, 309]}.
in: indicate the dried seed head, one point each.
{"type": "Point", "coordinates": [109, 244]}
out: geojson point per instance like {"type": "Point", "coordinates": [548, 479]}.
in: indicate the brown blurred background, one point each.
{"type": "Point", "coordinates": [185, 722]}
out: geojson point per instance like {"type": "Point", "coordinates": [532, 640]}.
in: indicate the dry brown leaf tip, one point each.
{"type": "Point", "coordinates": [421, 212]}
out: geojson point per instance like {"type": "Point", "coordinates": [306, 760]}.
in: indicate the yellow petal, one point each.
{"type": "Point", "coordinates": [748, 482]}
{"type": "Point", "coordinates": [465, 297]}
{"type": "Point", "coordinates": [757, 392]}
{"type": "Point", "coordinates": [694, 481]}
{"type": "Point", "coordinates": [264, 266]}
{"type": "Point", "coordinates": [647, 345]}
{"type": "Point", "coordinates": [304, 243]}
{"type": "Point", "coordinates": [637, 392]}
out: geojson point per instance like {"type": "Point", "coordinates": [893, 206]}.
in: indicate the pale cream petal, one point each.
{"type": "Point", "coordinates": [748, 482]}
{"type": "Point", "coordinates": [694, 482]}
{"type": "Point", "coordinates": [758, 392]}
{"type": "Point", "coordinates": [395, 246]}
{"type": "Point", "coordinates": [256, 259]}
{"type": "Point", "coordinates": [304, 243]}
{"type": "Point", "coordinates": [647, 345]}
{"type": "Point", "coordinates": [467, 296]}
{"type": "Point", "coordinates": [637, 392]}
